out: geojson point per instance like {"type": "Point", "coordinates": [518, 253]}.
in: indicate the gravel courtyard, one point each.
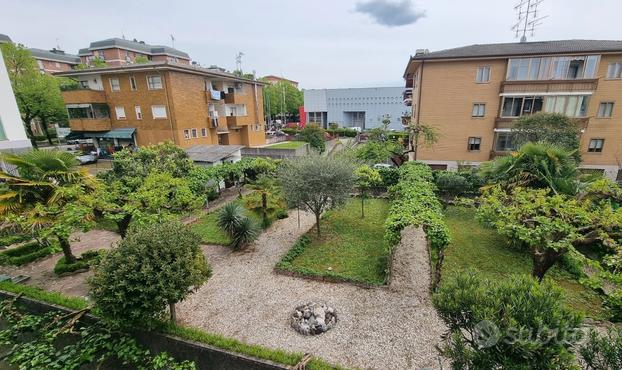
{"type": "Point", "coordinates": [392, 327]}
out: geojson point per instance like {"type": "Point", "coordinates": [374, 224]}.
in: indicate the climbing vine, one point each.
{"type": "Point", "coordinates": [57, 340]}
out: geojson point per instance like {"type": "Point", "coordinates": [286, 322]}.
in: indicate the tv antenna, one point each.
{"type": "Point", "coordinates": [238, 61]}
{"type": "Point", "coordinates": [528, 18]}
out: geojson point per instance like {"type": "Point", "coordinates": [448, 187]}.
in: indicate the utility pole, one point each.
{"type": "Point", "coordinates": [238, 61]}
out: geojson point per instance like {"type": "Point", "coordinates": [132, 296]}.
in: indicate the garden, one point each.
{"type": "Point", "coordinates": [526, 244]}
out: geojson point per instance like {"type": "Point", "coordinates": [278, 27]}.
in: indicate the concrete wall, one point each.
{"type": "Point", "coordinates": [276, 153]}
{"type": "Point", "coordinates": [12, 133]}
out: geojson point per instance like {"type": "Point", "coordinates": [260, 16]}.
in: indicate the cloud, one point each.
{"type": "Point", "coordinates": [390, 13]}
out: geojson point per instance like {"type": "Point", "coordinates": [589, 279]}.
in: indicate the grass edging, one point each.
{"type": "Point", "coordinates": [285, 267]}
{"type": "Point", "coordinates": [26, 253]}
{"type": "Point", "coordinates": [193, 334]}
{"type": "Point", "coordinates": [82, 264]}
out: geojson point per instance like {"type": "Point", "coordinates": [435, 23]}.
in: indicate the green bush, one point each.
{"type": "Point", "coordinates": [390, 176]}
{"type": "Point", "coordinates": [314, 135]}
{"type": "Point", "coordinates": [291, 131]}
{"type": "Point", "coordinates": [26, 253]}
{"type": "Point", "coordinates": [344, 131]}
{"type": "Point", "coordinates": [86, 260]}
{"type": "Point", "coordinates": [414, 203]}
{"type": "Point", "coordinates": [212, 194]}
{"type": "Point", "coordinates": [280, 214]}
{"type": "Point", "coordinates": [614, 303]}
{"type": "Point", "coordinates": [240, 228]}
{"type": "Point", "coordinates": [450, 184]}
{"type": "Point", "coordinates": [514, 323]}
{"type": "Point", "coordinates": [6, 240]}
{"type": "Point", "coordinates": [295, 251]}
{"type": "Point", "coordinates": [602, 352]}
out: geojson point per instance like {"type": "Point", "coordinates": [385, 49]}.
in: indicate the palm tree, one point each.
{"type": "Point", "coordinates": [48, 197]}
{"type": "Point", "coordinates": [535, 165]}
{"type": "Point", "coordinates": [267, 187]}
{"type": "Point", "coordinates": [232, 219]}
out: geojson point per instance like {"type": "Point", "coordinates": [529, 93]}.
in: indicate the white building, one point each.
{"type": "Point", "coordinates": [12, 133]}
{"type": "Point", "coordinates": [356, 107]}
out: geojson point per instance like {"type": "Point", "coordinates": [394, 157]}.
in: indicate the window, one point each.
{"type": "Point", "coordinates": [504, 142]}
{"type": "Point", "coordinates": [154, 82]}
{"type": "Point", "coordinates": [605, 110]}
{"type": "Point", "coordinates": [194, 133]}
{"type": "Point", "coordinates": [139, 113]}
{"type": "Point", "coordinates": [614, 70]}
{"type": "Point", "coordinates": [474, 143]}
{"type": "Point", "coordinates": [203, 132]}
{"type": "Point", "coordinates": [483, 74]}
{"type": "Point", "coordinates": [479, 110]}
{"type": "Point", "coordinates": [88, 111]}
{"type": "Point", "coordinates": [84, 84]}
{"type": "Point", "coordinates": [158, 111]}
{"type": "Point", "coordinates": [114, 84]}
{"type": "Point", "coordinates": [133, 83]}
{"type": "Point", "coordinates": [596, 145]}
{"type": "Point", "coordinates": [186, 134]}
{"type": "Point", "coordinates": [546, 68]}
{"type": "Point", "coordinates": [120, 112]}
{"type": "Point", "coordinates": [520, 106]}
{"type": "Point", "coordinates": [572, 106]}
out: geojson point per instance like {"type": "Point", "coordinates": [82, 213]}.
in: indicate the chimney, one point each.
{"type": "Point", "coordinates": [422, 52]}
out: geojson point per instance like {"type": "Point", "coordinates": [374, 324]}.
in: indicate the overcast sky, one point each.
{"type": "Point", "coordinates": [321, 43]}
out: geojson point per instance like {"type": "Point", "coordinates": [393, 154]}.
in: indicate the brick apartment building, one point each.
{"type": "Point", "coordinates": [162, 101]}
{"type": "Point", "coordinates": [49, 61]}
{"type": "Point", "coordinates": [472, 95]}
{"type": "Point", "coordinates": [274, 79]}
{"type": "Point", "coordinates": [116, 52]}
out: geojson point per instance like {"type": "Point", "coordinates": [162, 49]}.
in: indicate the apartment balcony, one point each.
{"type": "Point", "coordinates": [548, 86]}
{"type": "Point", "coordinates": [233, 98]}
{"type": "Point", "coordinates": [84, 96]}
{"type": "Point", "coordinates": [408, 97]}
{"type": "Point", "coordinates": [508, 123]}
{"type": "Point", "coordinates": [236, 121]}
{"type": "Point", "coordinates": [90, 124]}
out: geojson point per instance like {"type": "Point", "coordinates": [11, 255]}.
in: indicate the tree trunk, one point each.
{"type": "Point", "coordinates": [362, 205]}
{"type": "Point", "coordinates": [123, 224]}
{"type": "Point", "coordinates": [171, 308]}
{"type": "Point", "coordinates": [66, 247]}
{"type": "Point", "coordinates": [44, 124]}
{"type": "Point", "coordinates": [264, 207]}
{"type": "Point", "coordinates": [29, 132]}
{"type": "Point", "coordinates": [317, 223]}
{"type": "Point", "coordinates": [543, 261]}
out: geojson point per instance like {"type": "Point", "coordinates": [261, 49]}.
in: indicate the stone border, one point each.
{"type": "Point", "coordinates": [205, 356]}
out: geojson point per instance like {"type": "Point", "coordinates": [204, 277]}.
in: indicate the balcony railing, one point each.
{"type": "Point", "coordinates": [548, 86]}
{"type": "Point", "coordinates": [81, 96]}
{"type": "Point", "coordinates": [90, 124]}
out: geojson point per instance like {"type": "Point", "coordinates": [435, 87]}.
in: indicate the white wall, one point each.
{"type": "Point", "coordinates": [94, 81]}
{"type": "Point", "coordinates": [14, 131]}
{"type": "Point", "coordinates": [315, 100]}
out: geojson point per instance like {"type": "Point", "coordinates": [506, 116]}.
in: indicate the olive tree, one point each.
{"type": "Point", "coordinates": [152, 268]}
{"type": "Point", "coordinates": [366, 178]}
{"type": "Point", "coordinates": [317, 183]}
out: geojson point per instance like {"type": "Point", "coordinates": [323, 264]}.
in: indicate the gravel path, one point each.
{"type": "Point", "coordinates": [392, 327]}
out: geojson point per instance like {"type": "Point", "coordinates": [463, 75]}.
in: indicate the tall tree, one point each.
{"type": "Point", "coordinates": [38, 95]}
{"type": "Point", "coordinates": [316, 183]}
{"type": "Point", "coordinates": [282, 97]}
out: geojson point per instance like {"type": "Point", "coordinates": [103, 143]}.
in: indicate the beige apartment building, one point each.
{"type": "Point", "coordinates": [472, 95]}
{"type": "Point", "coordinates": [144, 104]}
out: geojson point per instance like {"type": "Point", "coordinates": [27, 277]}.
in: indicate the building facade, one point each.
{"type": "Point", "coordinates": [144, 104]}
{"type": "Point", "coordinates": [472, 95]}
{"type": "Point", "coordinates": [12, 133]}
{"type": "Point", "coordinates": [364, 108]}
{"type": "Point", "coordinates": [116, 52]}
{"type": "Point", "coordinates": [274, 79]}
{"type": "Point", "coordinates": [55, 60]}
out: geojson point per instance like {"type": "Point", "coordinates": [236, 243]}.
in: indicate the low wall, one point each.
{"type": "Point", "coordinates": [276, 153]}
{"type": "Point", "coordinates": [205, 356]}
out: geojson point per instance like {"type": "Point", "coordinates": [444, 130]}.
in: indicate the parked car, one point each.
{"type": "Point", "coordinates": [87, 158]}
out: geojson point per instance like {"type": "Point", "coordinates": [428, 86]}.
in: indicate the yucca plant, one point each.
{"type": "Point", "coordinates": [245, 232]}
{"type": "Point", "coordinates": [230, 217]}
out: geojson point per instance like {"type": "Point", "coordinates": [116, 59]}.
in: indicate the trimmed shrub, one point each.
{"type": "Point", "coordinates": [344, 131]}
{"type": "Point", "coordinates": [414, 203]}
{"type": "Point", "coordinates": [291, 131]}
{"type": "Point", "coordinates": [86, 260]}
{"type": "Point", "coordinates": [450, 184]}
{"type": "Point", "coordinates": [514, 323]}
{"type": "Point", "coordinates": [26, 253]}
{"type": "Point", "coordinates": [6, 240]}
{"type": "Point", "coordinates": [390, 176]}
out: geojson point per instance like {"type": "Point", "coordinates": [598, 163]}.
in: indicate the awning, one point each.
{"type": "Point", "coordinates": [117, 133]}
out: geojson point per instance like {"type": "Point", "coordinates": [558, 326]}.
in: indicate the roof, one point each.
{"type": "Point", "coordinates": [4, 38]}
{"type": "Point", "coordinates": [133, 45]}
{"type": "Point", "coordinates": [273, 77]}
{"type": "Point", "coordinates": [164, 65]}
{"type": "Point", "coordinates": [117, 133]}
{"type": "Point", "coordinates": [524, 48]}
{"type": "Point", "coordinates": [212, 153]}
{"type": "Point", "coordinates": [55, 55]}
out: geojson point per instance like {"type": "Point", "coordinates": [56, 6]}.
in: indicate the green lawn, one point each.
{"type": "Point", "coordinates": [353, 248]}
{"type": "Point", "coordinates": [287, 145]}
{"type": "Point", "coordinates": [476, 247]}
{"type": "Point", "coordinates": [209, 231]}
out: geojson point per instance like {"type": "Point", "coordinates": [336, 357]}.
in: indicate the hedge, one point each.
{"type": "Point", "coordinates": [26, 253]}
{"type": "Point", "coordinates": [344, 131]}
{"type": "Point", "coordinates": [83, 263]}
{"type": "Point", "coordinates": [7, 240]}
{"type": "Point", "coordinates": [413, 202]}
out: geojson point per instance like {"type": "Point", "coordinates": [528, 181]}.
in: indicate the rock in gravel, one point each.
{"type": "Point", "coordinates": [313, 318]}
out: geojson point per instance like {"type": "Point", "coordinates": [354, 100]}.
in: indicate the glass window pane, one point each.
{"type": "Point", "coordinates": [534, 68]}
{"type": "Point", "coordinates": [545, 65]}
{"type": "Point", "coordinates": [560, 103]}
{"type": "Point", "coordinates": [513, 69]}
{"type": "Point", "coordinates": [571, 106]}
{"type": "Point", "coordinates": [590, 66]}
{"type": "Point", "coordinates": [523, 69]}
